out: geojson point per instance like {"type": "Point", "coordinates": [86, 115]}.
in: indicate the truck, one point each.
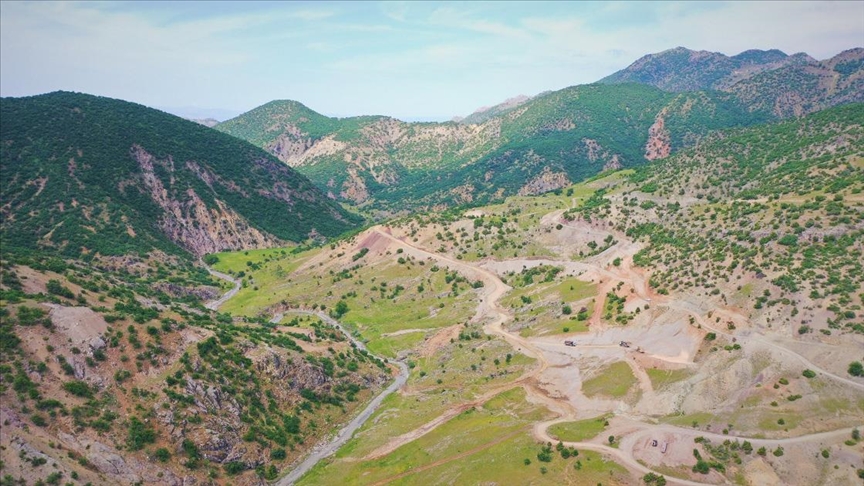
{"type": "Point", "coordinates": [569, 343]}
{"type": "Point", "coordinates": [624, 344]}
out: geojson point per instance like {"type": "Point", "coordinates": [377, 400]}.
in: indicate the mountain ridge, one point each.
{"type": "Point", "coordinates": [785, 85]}
{"type": "Point", "coordinates": [87, 173]}
{"type": "Point", "coordinates": [536, 145]}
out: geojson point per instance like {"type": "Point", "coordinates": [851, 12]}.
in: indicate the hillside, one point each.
{"type": "Point", "coordinates": [768, 81]}
{"type": "Point", "coordinates": [732, 269]}
{"type": "Point", "coordinates": [547, 142]}
{"type": "Point", "coordinates": [112, 371]}
{"type": "Point", "coordinates": [84, 174]}
{"type": "Point", "coordinates": [682, 69]}
{"type": "Point", "coordinates": [767, 218]}
{"type": "Point", "coordinates": [711, 300]}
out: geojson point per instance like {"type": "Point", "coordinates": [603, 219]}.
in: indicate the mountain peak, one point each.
{"type": "Point", "coordinates": [485, 112]}
{"type": "Point", "coordinates": [682, 69]}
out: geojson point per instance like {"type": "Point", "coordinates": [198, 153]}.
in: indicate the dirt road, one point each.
{"type": "Point", "coordinates": [495, 316]}
{"type": "Point", "coordinates": [322, 451]}
{"type": "Point", "coordinates": [215, 304]}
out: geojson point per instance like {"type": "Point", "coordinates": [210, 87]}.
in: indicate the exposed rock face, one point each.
{"type": "Point", "coordinates": [659, 143]}
{"type": "Point", "coordinates": [484, 113]}
{"type": "Point", "coordinates": [613, 163]}
{"type": "Point", "coordinates": [786, 86]}
{"type": "Point", "coordinates": [545, 182]}
{"type": "Point", "coordinates": [354, 188]}
{"type": "Point", "coordinates": [188, 221]}
{"type": "Point", "coordinates": [595, 152]}
{"type": "Point", "coordinates": [207, 122]}
{"type": "Point", "coordinates": [290, 145]}
{"type": "Point", "coordinates": [81, 325]}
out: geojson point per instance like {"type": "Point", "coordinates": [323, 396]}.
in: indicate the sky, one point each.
{"type": "Point", "coordinates": [410, 60]}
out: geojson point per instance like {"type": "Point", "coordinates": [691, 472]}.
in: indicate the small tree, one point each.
{"type": "Point", "coordinates": [856, 368]}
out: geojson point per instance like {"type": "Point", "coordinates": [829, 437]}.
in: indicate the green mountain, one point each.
{"type": "Point", "coordinates": [85, 174]}
{"type": "Point", "coordinates": [763, 80]}
{"type": "Point", "coordinates": [538, 145]}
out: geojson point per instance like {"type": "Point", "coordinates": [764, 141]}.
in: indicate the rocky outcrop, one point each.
{"type": "Point", "coordinates": [191, 223]}
{"type": "Point", "coordinates": [354, 188]}
{"type": "Point", "coordinates": [659, 143]}
{"type": "Point", "coordinates": [290, 145]}
{"type": "Point", "coordinates": [546, 181]}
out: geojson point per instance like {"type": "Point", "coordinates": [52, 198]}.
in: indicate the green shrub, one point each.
{"type": "Point", "coordinates": [234, 468]}
{"type": "Point", "coordinates": [162, 454]}
{"type": "Point", "coordinates": [78, 388]}
{"type": "Point", "coordinates": [139, 434]}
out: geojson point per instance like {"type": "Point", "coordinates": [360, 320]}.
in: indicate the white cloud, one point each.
{"type": "Point", "coordinates": [353, 57]}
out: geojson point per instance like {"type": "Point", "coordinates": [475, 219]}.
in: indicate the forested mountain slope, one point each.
{"type": "Point", "coordinates": [540, 145]}
{"type": "Point", "coordinates": [85, 174]}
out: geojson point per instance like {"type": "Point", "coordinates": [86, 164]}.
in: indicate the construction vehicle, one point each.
{"type": "Point", "coordinates": [624, 344]}
{"type": "Point", "coordinates": [569, 343]}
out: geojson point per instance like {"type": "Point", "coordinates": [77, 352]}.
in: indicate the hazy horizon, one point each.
{"type": "Point", "coordinates": [412, 61]}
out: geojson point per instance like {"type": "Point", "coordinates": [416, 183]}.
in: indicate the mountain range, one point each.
{"type": "Point", "coordinates": [770, 80]}
{"type": "Point", "coordinates": [712, 285]}
{"type": "Point", "coordinates": [660, 104]}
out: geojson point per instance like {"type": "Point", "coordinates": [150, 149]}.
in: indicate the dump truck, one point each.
{"type": "Point", "coordinates": [569, 343]}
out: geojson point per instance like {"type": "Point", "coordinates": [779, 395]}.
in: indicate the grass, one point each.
{"type": "Point", "coordinates": [426, 398]}
{"type": "Point", "coordinates": [573, 290]}
{"type": "Point", "coordinates": [768, 421]}
{"type": "Point", "coordinates": [485, 445]}
{"type": "Point", "coordinates": [236, 261]}
{"type": "Point", "coordinates": [661, 378]}
{"type": "Point", "coordinates": [271, 280]}
{"type": "Point", "coordinates": [470, 368]}
{"type": "Point", "coordinates": [375, 308]}
{"type": "Point", "coordinates": [580, 430]}
{"type": "Point", "coordinates": [544, 313]}
{"type": "Point", "coordinates": [701, 418]}
{"type": "Point", "coordinates": [615, 381]}
{"type": "Point", "coordinates": [390, 346]}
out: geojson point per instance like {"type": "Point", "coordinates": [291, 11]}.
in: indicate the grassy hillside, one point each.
{"type": "Point", "coordinates": [85, 174]}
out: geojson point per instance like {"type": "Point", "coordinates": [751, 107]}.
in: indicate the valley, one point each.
{"type": "Point", "coordinates": [670, 352]}
{"type": "Point", "coordinates": [653, 279]}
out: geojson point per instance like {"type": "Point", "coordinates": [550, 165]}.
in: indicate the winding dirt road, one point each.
{"type": "Point", "coordinates": [496, 316]}
{"type": "Point", "coordinates": [342, 436]}
{"type": "Point", "coordinates": [215, 304]}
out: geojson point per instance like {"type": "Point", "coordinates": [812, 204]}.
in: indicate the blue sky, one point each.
{"type": "Point", "coordinates": [412, 60]}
